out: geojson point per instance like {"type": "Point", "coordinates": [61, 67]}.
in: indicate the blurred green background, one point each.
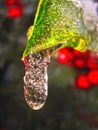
{"type": "Point", "coordinates": [66, 108]}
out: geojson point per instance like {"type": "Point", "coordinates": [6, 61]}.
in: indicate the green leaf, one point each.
{"type": "Point", "coordinates": [56, 22]}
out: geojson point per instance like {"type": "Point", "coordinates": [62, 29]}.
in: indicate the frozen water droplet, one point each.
{"type": "Point", "coordinates": [35, 79]}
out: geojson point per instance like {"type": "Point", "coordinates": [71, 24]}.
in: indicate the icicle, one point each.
{"type": "Point", "coordinates": [35, 79]}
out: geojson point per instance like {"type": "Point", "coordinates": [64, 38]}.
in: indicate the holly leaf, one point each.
{"type": "Point", "coordinates": [57, 22]}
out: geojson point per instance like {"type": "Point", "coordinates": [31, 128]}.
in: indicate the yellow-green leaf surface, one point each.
{"type": "Point", "coordinates": [57, 21]}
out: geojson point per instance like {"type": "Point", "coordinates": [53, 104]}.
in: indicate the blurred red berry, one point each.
{"type": "Point", "coordinates": [10, 2]}
{"type": "Point", "coordinates": [19, 3]}
{"type": "Point", "coordinates": [79, 62]}
{"type": "Point", "coordinates": [80, 54]}
{"type": "Point", "coordinates": [92, 63]}
{"type": "Point", "coordinates": [76, 52]}
{"type": "Point", "coordinates": [65, 55]}
{"type": "Point", "coordinates": [85, 53]}
{"type": "Point", "coordinates": [82, 82]}
{"type": "Point", "coordinates": [13, 2]}
{"type": "Point", "coordinates": [15, 12]}
{"type": "Point", "coordinates": [62, 58]}
{"type": "Point", "coordinates": [93, 77]}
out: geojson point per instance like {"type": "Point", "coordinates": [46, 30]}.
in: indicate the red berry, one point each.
{"type": "Point", "coordinates": [76, 52]}
{"type": "Point", "coordinates": [92, 63]}
{"type": "Point", "coordinates": [80, 54]}
{"type": "Point", "coordinates": [69, 52]}
{"type": "Point", "coordinates": [19, 3]}
{"type": "Point", "coordinates": [82, 82]}
{"type": "Point", "coordinates": [65, 55]}
{"type": "Point", "coordinates": [62, 50]}
{"type": "Point", "coordinates": [10, 2]}
{"type": "Point", "coordinates": [79, 62]}
{"type": "Point", "coordinates": [14, 12]}
{"type": "Point", "coordinates": [85, 53]}
{"type": "Point", "coordinates": [93, 77]}
{"type": "Point", "coordinates": [62, 58]}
